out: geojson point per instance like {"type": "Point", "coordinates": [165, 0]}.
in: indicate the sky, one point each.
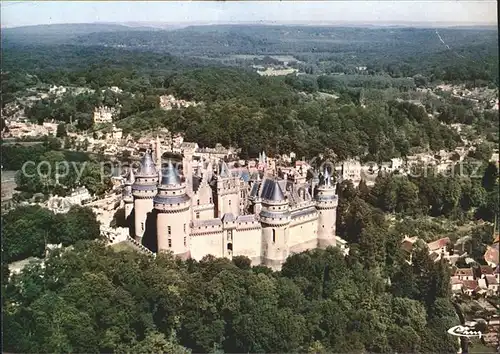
{"type": "Point", "coordinates": [27, 13]}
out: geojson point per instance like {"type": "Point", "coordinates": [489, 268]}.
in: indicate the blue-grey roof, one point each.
{"type": "Point", "coordinates": [303, 212]}
{"type": "Point", "coordinates": [271, 190]}
{"type": "Point", "coordinates": [167, 199]}
{"type": "Point", "coordinates": [326, 197]}
{"type": "Point", "coordinates": [209, 222]}
{"type": "Point", "coordinates": [228, 217]}
{"type": "Point", "coordinates": [274, 214]}
{"type": "Point", "coordinates": [170, 175]}
{"type": "Point", "coordinates": [224, 170]}
{"type": "Point", "coordinates": [245, 176]}
{"type": "Point", "coordinates": [255, 189]}
{"type": "Point", "coordinates": [144, 187]}
{"type": "Point", "coordinates": [127, 191]}
{"type": "Point", "coordinates": [130, 178]}
{"type": "Point", "coordinates": [246, 218]}
{"type": "Point", "coordinates": [327, 179]}
{"type": "Point", "coordinates": [147, 168]}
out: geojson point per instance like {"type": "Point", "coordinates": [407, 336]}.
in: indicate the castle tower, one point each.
{"type": "Point", "coordinates": [254, 196]}
{"type": "Point", "coordinates": [173, 208]}
{"type": "Point", "coordinates": [187, 169]}
{"type": "Point", "coordinates": [128, 199]}
{"type": "Point", "coordinates": [314, 182]}
{"type": "Point", "coordinates": [275, 219]}
{"type": "Point", "coordinates": [143, 190]}
{"type": "Point", "coordinates": [226, 192]}
{"type": "Point", "coordinates": [158, 153]}
{"type": "Point", "coordinates": [326, 204]}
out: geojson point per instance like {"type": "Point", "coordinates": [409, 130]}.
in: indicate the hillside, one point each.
{"type": "Point", "coordinates": [59, 33]}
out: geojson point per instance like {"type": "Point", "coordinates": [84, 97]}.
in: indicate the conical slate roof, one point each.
{"type": "Point", "coordinates": [147, 166]}
{"type": "Point", "coordinates": [327, 179]}
{"type": "Point", "coordinates": [272, 191]}
{"type": "Point", "coordinates": [224, 170]}
{"type": "Point", "coordinates": [315, 176]}
{"type": "Point", "coordinates": [130, 177]}
{"type": "Point", "coordinates": [170, 176]}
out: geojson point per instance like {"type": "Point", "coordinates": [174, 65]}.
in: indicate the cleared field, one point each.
{"type": "Point", "coordinates": [283, 58]}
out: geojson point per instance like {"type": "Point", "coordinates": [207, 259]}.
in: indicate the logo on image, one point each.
{"type": "Point", "coordinates": [464, 331]}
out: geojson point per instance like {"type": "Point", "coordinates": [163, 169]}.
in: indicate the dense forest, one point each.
{"type": "Point", "coordinates": [27, 230]}
{"type": "Point", "coordinates": [75, 169]}
{"type": "Point", "coordinates": [244, 109]}
{"type": "Point", "coordinates": [93, 299]}
{"type": "Point", "coordinates": [473, 53]}
{"type": "Point", "coordinates": [321, 301]}
{"type": "Point", "coordinates": [278, 114]}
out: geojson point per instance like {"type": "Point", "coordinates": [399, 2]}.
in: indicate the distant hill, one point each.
{"type": "Point", "coordinates": [60, 33]}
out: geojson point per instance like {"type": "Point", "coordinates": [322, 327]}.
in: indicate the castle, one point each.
{"type": "Point", "coordinates": [214, 211]}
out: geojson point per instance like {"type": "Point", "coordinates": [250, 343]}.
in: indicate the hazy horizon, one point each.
{"type": "Point", "coordinates": [444, 13]}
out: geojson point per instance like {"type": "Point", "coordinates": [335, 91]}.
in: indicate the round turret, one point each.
{"type": "Point", "coordinates": [171, 196]}
{"type": "Point", "coordinates": [275, 209]}
{"type": "Point", "coordinates": [127, 188]}
{"type": "Point", "coordinates": [143, 191]}
{"type": "Point", "coordinates": [146, 180]}
{"type": "Point", "coordinates": [326, 203]}
{"type": "Point", "coordinates": [325, 193]}
{"type": "Point", "coordinates": [173, 213]}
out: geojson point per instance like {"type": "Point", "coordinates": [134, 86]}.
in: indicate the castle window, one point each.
{"type": "Point", "coordinates": [197, 215]}
{"type": "Point", "coordinates": [169, 231]}
{"type": "Point", "coordinates": [210, 200]}
{"type": "Point", "coordinates": [170, 243]}
{"type": "Point", "coordinates": [229, 201]}
{"type": "Point", "coordinates": [274, 236]}
{"type": "Point", "coordinates": [142, 226]}
{"type": "Point", "coordinates": [185, 240]}
{"type": "Point", "coordinates": [184, 228]}
{"type": "Point", "coordinates": [229, 246]}
{"type": "Point", "coordinates": [198, 201]}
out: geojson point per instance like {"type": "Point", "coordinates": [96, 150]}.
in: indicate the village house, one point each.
{"type": "Point", "coordinates": [493, 285]}
{"type": "Point", "coordinates": [456, 284]}
{"type": "Point", "coordinates": [470, 287]}
{"type": "Point", "coordinates": [116, 133]}
{"type": "Point", "coordinates": [440, 247]}
{"type": "Point", "coordinates": [464, 274]}
{"type": "Point", "coordinates": [103, 115]}
{"type": "Point", "coordinates": [168, 102]}
{"type": "Point", "coordinates": [491, 255]}
{"type": "Point", "coordinates": [437, 249]}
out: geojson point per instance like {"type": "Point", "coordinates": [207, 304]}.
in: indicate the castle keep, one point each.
{"type": "Point", "coordinates": [210, 209]}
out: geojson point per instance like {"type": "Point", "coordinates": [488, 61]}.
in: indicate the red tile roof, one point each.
{"type": "Point", "coordinates": [491, 280]}
{"type": "Point", "coordinates": [486, 270]}
{"type": "Point", "coordinates": [407, 246]}
{"type": "Point", "coordinates": [470, 284]}
{"type": "Point", "coordinates": [456, 280]}
{"type": "Point", "coordinates": [491, 255]}
{"type": "Point", "coordinates": [442, 242]}
{"type": "Point", "coordinates": [464, 271]}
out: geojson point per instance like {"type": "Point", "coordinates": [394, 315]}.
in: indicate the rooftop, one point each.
{"type": "Point", "coordinates": [271, 191]}
{"type": "Point", "coordinates": [464, 271]}
{"type": "Point", "coordinates": [438, 244]}
{"type": "Point", "coordinates": [170, 175]}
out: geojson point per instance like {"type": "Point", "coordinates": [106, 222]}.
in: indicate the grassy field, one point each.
{"type": "Point", "coordinates": [123, 246]}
